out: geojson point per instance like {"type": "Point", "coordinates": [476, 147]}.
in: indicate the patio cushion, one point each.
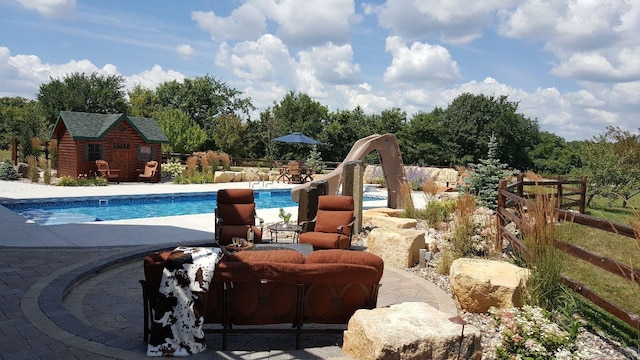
{"type": "Point", "coordinates": [328, 221]}
{"type": "Point", "coordinates": [237, 214]}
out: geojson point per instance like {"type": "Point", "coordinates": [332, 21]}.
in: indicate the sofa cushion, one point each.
{"type": "Point", "coordinates": [269, 256]}
{"type": "Point", "coordinates": [328, 221]}
{"type": "Point", "coordinates": [335, 202]}
{"type": "Point", "coordinates": [322, 240]}
{"type": "Point", "coordinates": [236, 214]}
{"type": "Point", "coordinates": [335, 256]}
{"type": "Point", "coordinates": [235, 196]}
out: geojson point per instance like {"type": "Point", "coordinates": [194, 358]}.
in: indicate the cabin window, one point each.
{"type": "Point", "coordinates": [145, 153]}
{"type": "Point", "coordinates": [94, 152]}
{"type": "Point", "coordinates": [120, 146]}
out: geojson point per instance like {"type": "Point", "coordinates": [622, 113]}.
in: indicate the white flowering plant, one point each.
{"type": "Point", "coordinates": [529, 333]}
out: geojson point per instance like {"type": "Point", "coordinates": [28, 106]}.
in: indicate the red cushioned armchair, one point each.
{"type": "Point", "coordinates": [333, 224]}
{"type": "Point", "coordinates": [235, 213]}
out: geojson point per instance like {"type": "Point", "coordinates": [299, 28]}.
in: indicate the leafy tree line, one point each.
{"type": "Point", "coordinates": [205, 113]}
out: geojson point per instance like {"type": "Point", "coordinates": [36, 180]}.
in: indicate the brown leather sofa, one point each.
{"type": "Point", "coordinates": [278, 287]}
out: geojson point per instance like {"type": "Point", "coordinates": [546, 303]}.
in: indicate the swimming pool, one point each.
{"type": "Point", "coordinates": [89, 209]}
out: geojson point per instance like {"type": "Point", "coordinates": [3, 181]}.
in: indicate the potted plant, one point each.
{"type": "Point", "coordinates": [284, 216]}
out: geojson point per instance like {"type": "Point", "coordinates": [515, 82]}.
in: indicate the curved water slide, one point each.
{"type": "Point", "coordinates": [390, 160]}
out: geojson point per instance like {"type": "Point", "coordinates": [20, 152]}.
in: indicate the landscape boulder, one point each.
{"type": "Point", "coordinates": [478, 284]}
{"type": "Point", "coordinates": [411, 330]}
{"type": "Point", "coordinates": [224, 176]}
{"type": "Point", "coordinates": [397, 247]}
{"type": "Point", "coordinates": [387, 218]}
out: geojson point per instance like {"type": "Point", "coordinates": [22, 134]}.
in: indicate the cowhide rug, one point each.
{"type": "Point", "coordinates": [176, 329]}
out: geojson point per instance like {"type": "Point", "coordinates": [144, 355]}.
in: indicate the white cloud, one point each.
{"type": "Point", "coordinates": [185, 50]}
{"type": "Point", "coordinates": [331, 64]}
{"type": "Point", "coordinates": [307, 23]}
{"type": "Point", "coordinates": [297, 22]}
{"type": "Point", "coordinates": [594, 40]}
{"type": "Point", "coordinates": [245, 23]}
{"type": "Point", "coordinates": [267, 59]}
{"type": "Point", "coordinates": [421, 63]}
{"type": "Point", "coordinates": [150, 79]}
{"type": "Point", "coordinates": [22, 75]}
{"type": "Point", "coordinates": [456, 21]}
{"type": "Point", "coordinates": [50, 8]}
{"type": "Point", "coordinates": [597, 67]}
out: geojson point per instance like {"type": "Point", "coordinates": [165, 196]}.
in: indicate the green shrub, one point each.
{"type": "Point", "coordinates": [47, 176]}
{"type": "Point", "coordinates": [314, 160]}
{"type": "Point", "coordinates": [7, 171]}
{"type": "Point", "coordinates": [484, 178]}
{"type": "Point", "coordinates": [71, 181]}
{"type": "Point", "coordinates": [67, 181]}
{"type": "Point", "coordinates": [437, 212]}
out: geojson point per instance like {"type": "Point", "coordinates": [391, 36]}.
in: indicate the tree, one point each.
{"type": "Point", "coordinates": [611, 163]}
{"type": "Point", "coordinates": [485, 177]}
{"type": "Point", "coordinates": [184, 135]}
{"type": "Point", "coordinates": [204, 99]}
{"type": "Point", "coordinates": [78, 92]}
{"type": "Point", "coordinates": [21, 119]}
{"type": "Point", "coordinates": [553, 156]}
{"type": "Point", "coordinates": [229, 133]}
{"type": "Point", "coordinates": [142, 101]}
{"type": "Point", "coordinates": [423, 140]}
{"type": "Point", "coordinates": [297, 112]}
{"type": "Point", "coordinates": [470, 120]}
{"type": "Point", "coordinates": [344, 128]}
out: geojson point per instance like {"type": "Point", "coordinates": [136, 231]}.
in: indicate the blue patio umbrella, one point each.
{"type": "Point", "coordinates": [297, 137]}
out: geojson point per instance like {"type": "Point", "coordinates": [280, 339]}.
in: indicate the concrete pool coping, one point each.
{"type": "Point", "coordinates": [18, 231]}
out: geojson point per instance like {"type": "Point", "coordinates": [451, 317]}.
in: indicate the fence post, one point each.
{"type": "Point", "coordinates": [502, 185]}
{"type": "Point", "coordinates": [520, 180]}
{"type": "Point", "coordinates": [583, 195]}
{"type": "Point", "coordinates": [559, 191]}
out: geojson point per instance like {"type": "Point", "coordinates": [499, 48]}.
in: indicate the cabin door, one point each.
{"type": "Point", "coordinates": [121, 159]}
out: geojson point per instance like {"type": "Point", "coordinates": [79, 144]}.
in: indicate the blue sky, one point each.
{"type": "Point", "coordinates": [572, 65]}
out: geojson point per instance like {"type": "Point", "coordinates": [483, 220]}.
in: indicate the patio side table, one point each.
{"type": "Point", "coordinates": [282, 227]}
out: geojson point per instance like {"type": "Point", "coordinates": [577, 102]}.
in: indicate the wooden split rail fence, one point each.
{"type": "Point", "coordinates": [512, 198]}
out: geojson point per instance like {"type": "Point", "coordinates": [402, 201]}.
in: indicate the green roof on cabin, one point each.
{"type": "Point", "coordinates": [91, 126]}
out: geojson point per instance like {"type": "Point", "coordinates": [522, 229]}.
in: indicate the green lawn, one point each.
{"type": "Point", "coordinates": [623, 249]}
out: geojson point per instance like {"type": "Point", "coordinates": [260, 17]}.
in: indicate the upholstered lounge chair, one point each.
{"type": "Point", "coordinates": [150, 169]}
{"type": "Point", "coordinates": [235, 213]}
{"type": "Point", "coordinates": [332, 226]}
{"type": "Point", "coordinates": [105, 172]}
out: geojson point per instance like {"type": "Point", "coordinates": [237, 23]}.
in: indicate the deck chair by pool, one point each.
{"type": "Point", "coordinates": [150, 169]}
{"type": "Point", "coordinates": [333, 224]}
{"type": "Point", "coordinates": [106, 172]}
{"type": "Point", "coordinates": [295, 176]}
{"type": "Point", "coordinates": [235, 213]}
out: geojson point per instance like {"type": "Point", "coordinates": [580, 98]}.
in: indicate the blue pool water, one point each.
{"type": "Point", "coordinates": [71, 211]}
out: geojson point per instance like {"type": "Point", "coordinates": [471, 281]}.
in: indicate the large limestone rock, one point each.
{"type": "Point", "coordinates": [387, 218]}
{"type": "Point", "coordinates": [224, 176]}
{"type": "Point", "coordinates": [479, 284]}
{"type": "Point", "coordinates": [397, 247]}
{"type": "Point", "coordinates": [411, 330]}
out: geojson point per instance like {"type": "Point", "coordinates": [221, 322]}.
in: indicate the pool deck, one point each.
{"type": "Point", "coordinates": [72, 292]}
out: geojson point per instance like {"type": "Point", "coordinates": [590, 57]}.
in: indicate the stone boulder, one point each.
{"type": "Point", "coordinates": [411, 330]}
{"type": "Point", "coordinates": [224, 176]}
{"type": "Point", "coordinates": [397, 247]}
{"type": "Point", "coordinates": [478, 284]}
{"type": "Point", "coordinates": [387, 218]}
{"type": "Point", "coordinates": [250, 176]}
{"type": "Point", "coordinates": [22, 169]}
